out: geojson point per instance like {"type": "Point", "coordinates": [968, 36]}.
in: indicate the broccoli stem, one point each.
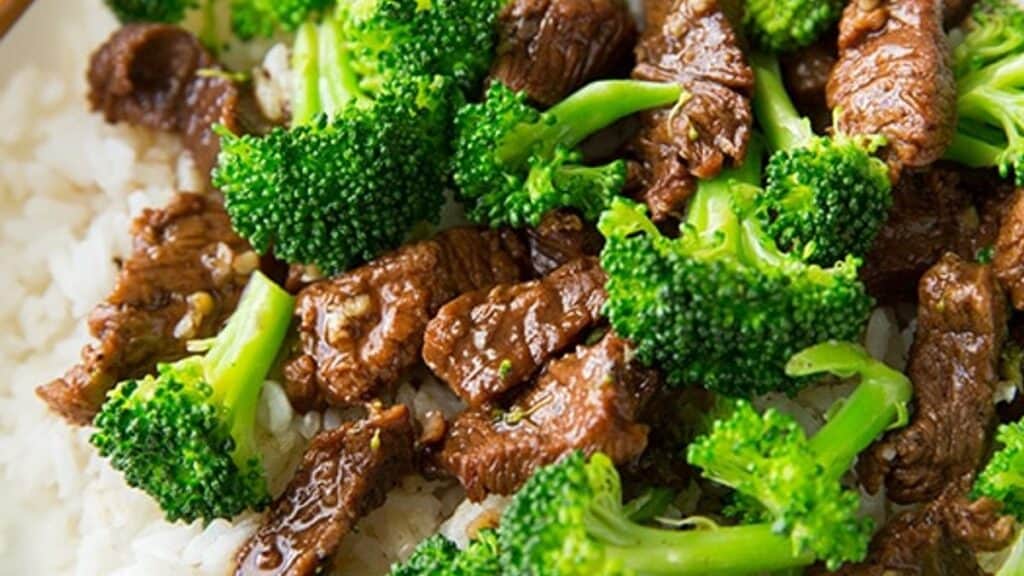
{"type": "Point", "coordinates": [305, 72]}
{"type": "Point", "coordinates": [243, 353]}
{"type": "Point", "coordinates": [732, 550]}
{"type": "Point", "coordinates": [782, 124]}
{"type": "Point", "coordinates": [878, 403]}
{"type": "Point", "coordinates": [973, 152]}
{"type": "Point", "coordinates": [1004, 74]}
{"type": "Point", "coordinates": [592, 108]}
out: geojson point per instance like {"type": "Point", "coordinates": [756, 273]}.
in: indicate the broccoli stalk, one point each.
{"type": "Point", "coordinates": [514, 163]}
{"type": "Point", "coordinates": [185, 435]}
{"type": "Point", "coordinates": [825, 198]}
{"type": "Point", "coordinates": [1013, 565]}
{"type": "Point", "coordinates": [783, 25]}
{"type": "Point", "coordinates": [721, 306]}
{"type": "Point", "coordinates": [568, 519]}
{"type": "Point", "coordinates": [989, 66]}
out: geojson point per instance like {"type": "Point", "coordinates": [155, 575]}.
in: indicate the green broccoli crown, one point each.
{"type": "Point", "coordinates": [825, 198]}
{"type": "Point", "coordinates": [514, 163]}
{"type": "Point", "coordinates": [782, 25]}
{"type": "Point", "coordinates": [263, 18]}
{"type": "Point", "coordinates": [439, 556]}
{"type": "Point", "coordinates": [169, 11]}
{"type": "Point", "coordinates": [721, 306]}
{"type": "Point", "coordinates": [342, 190]}
{"type": "Point", "coordinates": [1003, 477]}
{"type": "Point", "coordinates": [989, 66]}
{"type": "Point", "coordinates": [453, 38]}
{"type": "Point", "coordinates": [184, 435]}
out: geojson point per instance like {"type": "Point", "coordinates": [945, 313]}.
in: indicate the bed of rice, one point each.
{"type": "Point", "coordinates": [69, 187]}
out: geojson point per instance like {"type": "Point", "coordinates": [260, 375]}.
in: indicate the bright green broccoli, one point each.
{"type": "Point", "coordinates": [825, 197]}
{"type": "Point", "coordinates": [514, 163]}
{"type": "Point", "coordinates": [1003, 477]}
{"type": "Point", "coordinates": [782, 25]}
{"type": "Point", "coordinates": [185, 435]}
{"type": "Point", "coordinates": [721, 306]}
{"type": "Point", "coordinates": [169, 11]}
{"type": "Point", "coordinates": [989, 66]}
{"type": "Point", "coordinates": [354, 173]}
{"type": "Point", "coordinates": [1013, 565]}
{"type": "Point", "coordinates": [569, 520]}
{"type": "Point", "coordinates": [438, 556]}
{"type": "Point", "coordinates": [252, 18]}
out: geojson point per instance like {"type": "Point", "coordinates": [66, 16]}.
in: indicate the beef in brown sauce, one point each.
{"type": "Point", "coordinates": [484, 343]}
{"type": "Point", "coordinates": [893, 78]}
{"type": "Point", "coordinates": [1008, 257]}
{"type": "Point", "coordinates": [560, 238]}
{"type": "Point", "coordinates": [587, 400]}
{"type": "Point", "coordinates": [695, 46]}
{"type": "Point", "coordinates": [549, 48]}
{"type": "Point", "coordinates": [806, 72]}
{"type": "Point", "coordinates": [954, 367]}
{"type": "Point", "coordinates": [345, 473]}
{"type": "Point", "coordinates": [939, 539]}
{"type": "Point", "coordinates": [148, 75]}
{"type": "Point", "coordinates": [183, 279]}
{"type": "Point", "coordinates": [360, 332]}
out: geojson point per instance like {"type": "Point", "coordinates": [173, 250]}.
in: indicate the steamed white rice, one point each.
{"type": "Point", "coordinates": [69, 187]}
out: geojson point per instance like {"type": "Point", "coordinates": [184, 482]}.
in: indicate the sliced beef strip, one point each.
{"type": "Point", "coordinates": [1008, 259]}
{"type": "Point", "coordinates": [146, 74]}
{"type": "Point", "coordinates": [893, 78]}
{"type": "Point", "coordinates": [695, 46]}
{"type": "Point", "coordinates": [587, 400]}
{"type": "Point", "coordinates": [560, 238]}
{"type": "Point", "coordinates": [944, 208]}
{"type": "Point", "coordinates": [183, 279]}
{"type": "Point", "coordinates": [939, 539]}
{"type": "Point", "coordinates": [360, 332]}
{"type": "Point", "coordinates": [345, 473]}
{"type": "Point", "coordinates": [484, 343]}
{"type": "Point", "coordinates": [954, 367]}
{"type": "Point", "coordinates": [954, 11]}
{"type": "Point", "coordinates": [806, 71]}
{"type": "Point", "coordinates": [549, 48]}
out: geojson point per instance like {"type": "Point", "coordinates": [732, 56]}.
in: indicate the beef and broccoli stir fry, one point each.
{"type": "Point", "coordinates": [667, 230]}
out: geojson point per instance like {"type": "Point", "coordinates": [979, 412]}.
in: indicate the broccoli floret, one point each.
{"type": "Point", "coordinates": [721, 306]}
{"type": "Point", "coordinates": [1003, 477]}
{"type": "Point", "coordinates": [263, 18]}
{"type": "Point", "coordinates": [568, 519]}
{"type": "Point", "coordinates": [185, 435]}
{"type": "Point", "coordinates": [438, 556]}
{"type": "Point", "coordinates": [825, 198]}
{"type": "Point", "coordinates": [782, 25]}
{"type": "Point", "coordinates": [453, 38]}
{"type": "Point", "coordinates": [990, 90]}
{"type": "Point", "coordinates": [353, 174]}
{"type": "Point", "coordinates": [514, 163]}
{"type": "Point", "coordinates": [168, 11]}
{"type": "Point", "coordinates": [1013, 564]}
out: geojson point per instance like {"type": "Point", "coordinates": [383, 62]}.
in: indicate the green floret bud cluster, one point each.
{"type": "Point", "coordinates": [168, 11]}
{"type": "Point", "coordinates": [439, 556]}
{"type": "Point", "coordinates": [513, 163]}
{"type": "Point", "coordinates": [185, 434]}
{"type": "Point", "coordinates": [1003, 477]}
{"type": "Point", "coordinates": [783, 25]}
{"type": "Point", "coordinates": [721, 306]}
{"type": "Point", "coordinates": [264, 18]}
{"type": "Point", "coordinates": [340, 191]}
{"type": "Point", "coordinates": [827, 199]}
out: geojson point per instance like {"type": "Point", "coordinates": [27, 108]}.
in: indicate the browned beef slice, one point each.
{"type": "Point", "coordinates": [587, 400]}
{"type": "Point", "coordinates": [360, 332]}
{"type": "Point", "coordinates": [954, 11]}
{"type": "Point", "coordinates": [695, 45]}
{"type": "Point", "coordinates": [806, 72]}
{"type": "Point", "coordinates": [954, 364]}
{"type": "Point", "coordinates": [943, 208]}
{"type": "Point", "coordinates": [183, 279]}
{"type": "Point", "coordinates": [560, 238]}
{"type": "Point", "coordinates": [145, 74]}
{"type": "Point", "coordinates": [548, 48]}
{"type": "Point", "coordinates": [1009, 250]}
{"type": "Point", "coordinates": [893, 78]}
{"type": "Point", "coordinates": [486, 342]}
{"type": "Point", "coordinates": [939, 539]}
{"type": "Point", "coordinates": [345, 473]}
